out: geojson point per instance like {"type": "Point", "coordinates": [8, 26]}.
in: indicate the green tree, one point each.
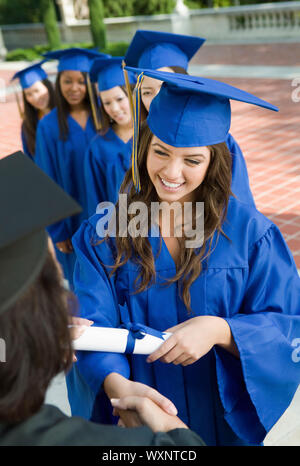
{"type": "Point", "coordinates": [97, 23]}
{"type": "Point", "coordinates": [115, 8]}
{"type": "Point", "coordinates": [20, 11]}
{"type": "Point", "coordinates": [50, 22]}
{"type": "Point", "coordinates": [153, 7]}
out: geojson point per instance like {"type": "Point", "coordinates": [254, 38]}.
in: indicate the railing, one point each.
{"type": "Point", "coordinates": [282, 16]}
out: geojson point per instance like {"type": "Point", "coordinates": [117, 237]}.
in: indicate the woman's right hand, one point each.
{"type": "Point", "coordinates": [117, 386]}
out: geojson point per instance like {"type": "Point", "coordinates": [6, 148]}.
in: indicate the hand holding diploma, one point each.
{"type": "Point", "coordinates": [133, 338]}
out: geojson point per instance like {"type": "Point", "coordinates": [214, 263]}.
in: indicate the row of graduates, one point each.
{"type": "Point", "coordinates": [233, 304]}
{"type": "Point", "coordinates": [85, 141]}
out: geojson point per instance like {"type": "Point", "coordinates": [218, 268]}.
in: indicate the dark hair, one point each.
{"type": "Point", "coordinates": [214, 191]}
{"type": "Point", "coordinates": [105, 118]}
{"type": "Point", "coordinates": [30, 116]}
{"type": "Point", "coordinates": [38, 344]}
{"type": "Point", "coordinates": [178, 69]}
{"type": "Point", "coordinates": [63, 107]}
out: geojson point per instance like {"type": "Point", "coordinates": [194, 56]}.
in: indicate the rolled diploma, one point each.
{"type": "Point", "coordinates": [114, 340]}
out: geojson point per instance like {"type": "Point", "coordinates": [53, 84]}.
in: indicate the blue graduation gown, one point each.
{"type": "Point", "coordinates": [63, 161]}
{"type": "Point", "coordinates": [250, 280]}
{"type": "Point", "coordinates": [106, 161]}
{"type": "Point", "coordinates": [240, 180]}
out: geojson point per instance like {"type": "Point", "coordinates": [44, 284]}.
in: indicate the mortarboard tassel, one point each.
{"type": "Point", "coordinates": [136, 130]}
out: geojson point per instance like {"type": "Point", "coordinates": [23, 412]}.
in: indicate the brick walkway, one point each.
{"type": "Point", "coordinates": [269, 140]}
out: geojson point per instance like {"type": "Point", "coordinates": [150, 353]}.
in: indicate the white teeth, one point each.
{"type": "Point", "coordinates": [170, 185]}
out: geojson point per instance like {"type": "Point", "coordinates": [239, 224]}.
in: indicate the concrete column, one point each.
{"type": "Point", "coordinates": [67, 13]}
{"type": "Point", "coordinates": [180, 19]}
{"type": "Point", "coordinates": [3, 50]}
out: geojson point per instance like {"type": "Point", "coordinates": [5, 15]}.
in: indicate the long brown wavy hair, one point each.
{"type": "Point", "coordinates": [30, 116]}
{"type": "Point", "coordinates": [214, 191]}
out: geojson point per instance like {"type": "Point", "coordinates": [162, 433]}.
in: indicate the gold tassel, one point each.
{"type": "Point", "coordinates": [136, 131]}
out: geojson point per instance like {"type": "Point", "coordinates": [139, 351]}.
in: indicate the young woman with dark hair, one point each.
{"type": "Point", "coordinates": [108, 156]}
{"type": "Point", "coordinates": [38, 101]}
{"type": "Point", "coordinates": [231, 299]}
{"type": "Point", "coordinates": [62, 138]}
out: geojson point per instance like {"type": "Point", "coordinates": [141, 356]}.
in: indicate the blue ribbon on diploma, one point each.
{"type": "Point", "coordinates": [135, 333]}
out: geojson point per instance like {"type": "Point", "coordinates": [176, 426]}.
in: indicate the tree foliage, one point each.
{"type": "Point", "coordinates": [153, 7]}
{"type": "Point", "coordinates": [50, 22]}
{"type": "Point", "coordinates": [97, 24]}
{"type": "Point", "coordinates": [20, 11]}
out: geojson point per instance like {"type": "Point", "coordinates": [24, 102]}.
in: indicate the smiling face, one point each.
{"type": "Point", "coordinates": [150, 88]}
{"type": "Point", "coordinates": [116, 105]}
{"type": "Point", "coordinates": [176, 171]}
{"type": "Point", "coordinates": [37, 95]}
{"type": "Point", "coordinates": [73, 87]}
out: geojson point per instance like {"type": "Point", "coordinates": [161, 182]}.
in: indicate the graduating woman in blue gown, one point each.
{"type": "Point", "coordinates": [62, 138]}
{"type": "Point", "coordinates": [232, 301]}
{"type": "Point", "coordinates": [172, 52]}
{"type": "Point", "coordinates": [109, 153]}
{"type": "Point", "coordinates": [38, 101]}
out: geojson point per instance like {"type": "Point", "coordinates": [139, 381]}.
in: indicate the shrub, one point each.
{"type": "Point", "coordinates": [114, 48]}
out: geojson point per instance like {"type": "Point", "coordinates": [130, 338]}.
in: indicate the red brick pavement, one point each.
{"type": "Point", "coordinates": [269, 140]}
{"type": "Point", "coordinates": [284, 54]}
{"type": "Point", "coordinates": [270, 144]}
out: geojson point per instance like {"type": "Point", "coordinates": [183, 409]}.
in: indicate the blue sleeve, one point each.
{"type": "Point", "coordinates": [240, 180]}
{"type": "Point", "coordinates": [94, 180]}
{"type": "Point", "coordinates": [45, 154]}
{"type": "Point", "coordinates": [258, 388]}
{"type": "Point", "coordinates": [98, 302]}
{"type": "Point", "coordinates": [105, 168]}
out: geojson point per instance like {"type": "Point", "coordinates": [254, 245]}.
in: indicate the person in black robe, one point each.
{"type": "Point", "coordinates": [35, 339]}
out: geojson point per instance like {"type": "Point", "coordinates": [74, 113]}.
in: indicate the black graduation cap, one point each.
{"type": "Point", "coordinates": [30, 201]}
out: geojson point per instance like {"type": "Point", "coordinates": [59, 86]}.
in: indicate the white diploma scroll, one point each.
{"type": "Point", "coordinates": [115, 340]}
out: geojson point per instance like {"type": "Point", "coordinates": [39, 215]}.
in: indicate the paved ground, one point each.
{"type": "Point", "coordinates": [269, 141]}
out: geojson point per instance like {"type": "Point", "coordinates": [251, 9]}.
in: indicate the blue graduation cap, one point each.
{"type": "Point", "coordinates": [153, 50]}
{"type": "Point", "coordinates": [188, 111]}
{"type": "Point", "coordinates": [74, 59]}
{"type": "Point", "coordinates": [108, 72]}
{"type": "Point", "coordinates": [30, 75]}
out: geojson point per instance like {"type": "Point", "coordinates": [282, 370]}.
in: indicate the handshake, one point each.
{"type": "Point", "coordinates": [136, 404]}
